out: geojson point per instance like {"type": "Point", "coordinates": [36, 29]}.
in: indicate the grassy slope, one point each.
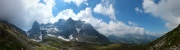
{"type": "Point", "coordinates": [13, 38]}
{"type": "Point", "coordinates": [60, 44]}
{"type": "Point", "coordinates": [10, 38]}
{"type": "Point", "coordinates": [167, 41]}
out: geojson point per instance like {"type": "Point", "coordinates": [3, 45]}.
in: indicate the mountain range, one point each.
{"type": "Point", "coordinates": [67, 30]}
{"type": "Point", "coordinates": [78, 35]}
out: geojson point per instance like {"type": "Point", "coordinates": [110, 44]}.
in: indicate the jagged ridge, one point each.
{"type": "Point", "coordinates": [68, 30]}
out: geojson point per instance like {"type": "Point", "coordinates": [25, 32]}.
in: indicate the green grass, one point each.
{"type": "Point", "coordinates": [170, 39]}
{"type": "Point", "coordinates": [88, 46]}
{"type": "Point", "coordinates": [47, 47]}
{"type": "Point", "coordinates": [9, 41]}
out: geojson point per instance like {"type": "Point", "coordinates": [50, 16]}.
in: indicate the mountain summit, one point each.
{"type": "Point", "coordinates": [68, 30]}
{"type": "Point", "coordinates": [35, 33]}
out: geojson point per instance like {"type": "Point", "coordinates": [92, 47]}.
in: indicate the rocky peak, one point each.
{"type": "Point", "coordinates": [34, 32]}
{"type": "Point", "coordinates": [70, 30]}
{"type": "Point", "coordinates": [70, 20]}
{"type": "Point", "coordinates": [35, 26]}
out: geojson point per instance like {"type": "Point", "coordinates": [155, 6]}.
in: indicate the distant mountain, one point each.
{"type": "Point", "coordinates": [169, 41]}
{"type": "Point", "coordinates": [13, 38]}
{"type": "Point", "coordinates": [132, 38]}
{"type": "Point", "coordinates": [67, 30]}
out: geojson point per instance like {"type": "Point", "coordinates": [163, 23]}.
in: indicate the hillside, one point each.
{"type": "Point", "coordinates": [13, 38]}
{"type": "Point", "coordinates": [70, 45]}
{"type": "Point", "coordinates": [169, 41]}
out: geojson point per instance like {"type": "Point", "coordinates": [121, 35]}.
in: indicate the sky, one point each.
{"type": "Point", "coordinates": [109, 17]}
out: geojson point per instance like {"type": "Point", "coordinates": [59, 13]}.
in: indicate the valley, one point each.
{"type": "Point", "coordinates": [76, 35]}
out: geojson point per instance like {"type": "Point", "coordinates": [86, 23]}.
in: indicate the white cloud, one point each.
{"type": "Point", "coordinates": [65, 14]}
{"type": "Point", "coordinates": [132, 23]}
{"type": "Point", "coordinates": [110, 28]}
{"type": "Point", "coordinates": [23, 13]}
{"type": "Point", "coordinates": [77, 2]}
{"type": "Point", "coordinates": [38, 11]}
{"type": "Point", "coordinates": [138, 10]}
{"type": "Point", "coordinates": [118, 28]}
{"type": "Point", "coordinates": [105, 8]}
{"type": "Point", "coordinates": [31, 10]}
{"type": "Point", "coordinates": [169, 10]}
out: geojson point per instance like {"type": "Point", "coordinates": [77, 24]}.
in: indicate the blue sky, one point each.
{"type": "Point", "coordinates": [125, 11]}
{"type": "Point", "coordinates": [109, 17]}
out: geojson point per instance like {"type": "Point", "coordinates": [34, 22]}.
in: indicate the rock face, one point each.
{"type": "Point", "coordinates": [169, 41]}
{"type": "Point", "coordinates": [68, 30]}
{"type": "Point", "coordinates": [35, 32]}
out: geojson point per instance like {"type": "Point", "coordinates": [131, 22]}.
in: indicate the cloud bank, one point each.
{"type": "Point", "coordinates": [169, 10]}
{"type": "Point", "coordinates": [77, 2]}
{"type": "Point", "coordinates": [105, 8]}
{"type": "Point", "coordinates": [23, 13]}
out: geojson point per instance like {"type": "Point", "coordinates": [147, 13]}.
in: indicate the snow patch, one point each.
{"type": "Point", "coordinates": [63, 38]}
{"type": "Point", "coordinates": [51, 35]}
{"type": "Point", "coordinates": [40, 37]}
{"type": "Point", "coordinates": [71, 36]}
{"type": "Point", "coordinates": [77, 29]}
{"type": "Point", "coordinates": [56, 29]}
{"type": "Point", "coordinates": [77, 39]}
{"type": "Point", "coordinates": [42, 28]}
{"type": "Point", "coordinates": [50, 28]}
